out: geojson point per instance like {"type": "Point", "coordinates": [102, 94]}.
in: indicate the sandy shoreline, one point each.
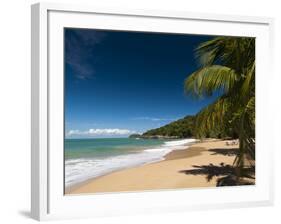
{"type": "Point", "coordinates": [176, 171]}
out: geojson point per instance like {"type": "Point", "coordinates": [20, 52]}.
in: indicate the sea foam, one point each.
{"type": "Point", "coordinates": [79, 170]}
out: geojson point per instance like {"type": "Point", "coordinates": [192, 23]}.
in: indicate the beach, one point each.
{"type": "Point", "coordinates": [186, 168]}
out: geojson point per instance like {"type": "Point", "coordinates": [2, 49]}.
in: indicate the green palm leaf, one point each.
{"type": "Point", "coordinates": [209, 79]}
{"type": "Point", "coordinates": [210, 117]}
{"type": "Point", "coordinates": [248, 87]}
{"type": "Point", "coordinates": [228, 66]}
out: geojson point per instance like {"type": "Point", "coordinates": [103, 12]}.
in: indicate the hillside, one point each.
{"type": "Point", "coordinates": [185, 128]}
{"type": "Point", "coordinates": [182, 128]}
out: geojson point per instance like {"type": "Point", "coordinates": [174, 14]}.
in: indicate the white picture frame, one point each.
{"type": "Point", "coordinates": [48, 200]}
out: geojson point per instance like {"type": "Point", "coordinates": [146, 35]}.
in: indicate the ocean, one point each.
{"type": "Point", "coordinates": [90, 158]}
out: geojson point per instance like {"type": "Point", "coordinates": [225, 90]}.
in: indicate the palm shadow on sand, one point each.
{"type": "Point", "coordinates": [227, 174]}
{"type": "Point", "coordinates": [224, 152]}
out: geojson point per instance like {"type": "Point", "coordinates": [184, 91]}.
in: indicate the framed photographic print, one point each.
{"type": "Point", "coordinates": [138, 111]}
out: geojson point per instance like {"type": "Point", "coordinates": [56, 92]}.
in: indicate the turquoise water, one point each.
{"type": "Point", "coordinates": [106, 147]}
{"type": "Point", "coordinates": [89, 158]}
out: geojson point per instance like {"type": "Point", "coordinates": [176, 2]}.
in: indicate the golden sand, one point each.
{"type": "Point", "coordinates": [167, 174]}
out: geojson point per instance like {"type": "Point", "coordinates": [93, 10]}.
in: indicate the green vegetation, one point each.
{"type": "Point", "coordinates": [186, 128]}
{"type": "Point", "coordinates": [135, 136]}
{"type": "Point", "coordinates": [182, 128]}
{"type": "Point", "coordinates": [228, 66]}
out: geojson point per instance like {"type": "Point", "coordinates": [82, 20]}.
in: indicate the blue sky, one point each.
{"type": "Point", "coordinates": [119, 83]}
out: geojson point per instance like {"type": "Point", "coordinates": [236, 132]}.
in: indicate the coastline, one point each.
{"type": "Point", "coordinates": [169, 173]}
{"type": "Point", "coordinates": [92, 163]}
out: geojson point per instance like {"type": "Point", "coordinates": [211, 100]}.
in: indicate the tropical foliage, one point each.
{"type": "Point", "coordinates": [182, 128]}
{"type": "Point", "coordinates": [227, 66]}
{"type": "Point", "coordinates": [185, 128]}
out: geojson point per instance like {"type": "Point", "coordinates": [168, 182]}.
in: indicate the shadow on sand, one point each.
{"type": "Point", "coordinates": [224, 152]}
{"type": "Point", "coordinates": [226, 173]}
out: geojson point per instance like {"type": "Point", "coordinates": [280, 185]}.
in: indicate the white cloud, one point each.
{"type": "Point", "coordinates": [98, 132]}
{"type": "Point", "coordinates": [74, 132]}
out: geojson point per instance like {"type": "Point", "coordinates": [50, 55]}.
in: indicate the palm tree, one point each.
{"type": "Point", "coordinates": [228, 67]}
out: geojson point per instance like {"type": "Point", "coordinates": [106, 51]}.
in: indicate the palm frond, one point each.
{"type": "Point", "coordinates": [211, 117]}
{"type": "Point", "coordinates": [248, 87]}
{"type": "Point", "coordinates": [209, 79]}
{"type": "Point", "coordinates": [233, 52]}
{"type": "Point", "coordinates": [227, 65]}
